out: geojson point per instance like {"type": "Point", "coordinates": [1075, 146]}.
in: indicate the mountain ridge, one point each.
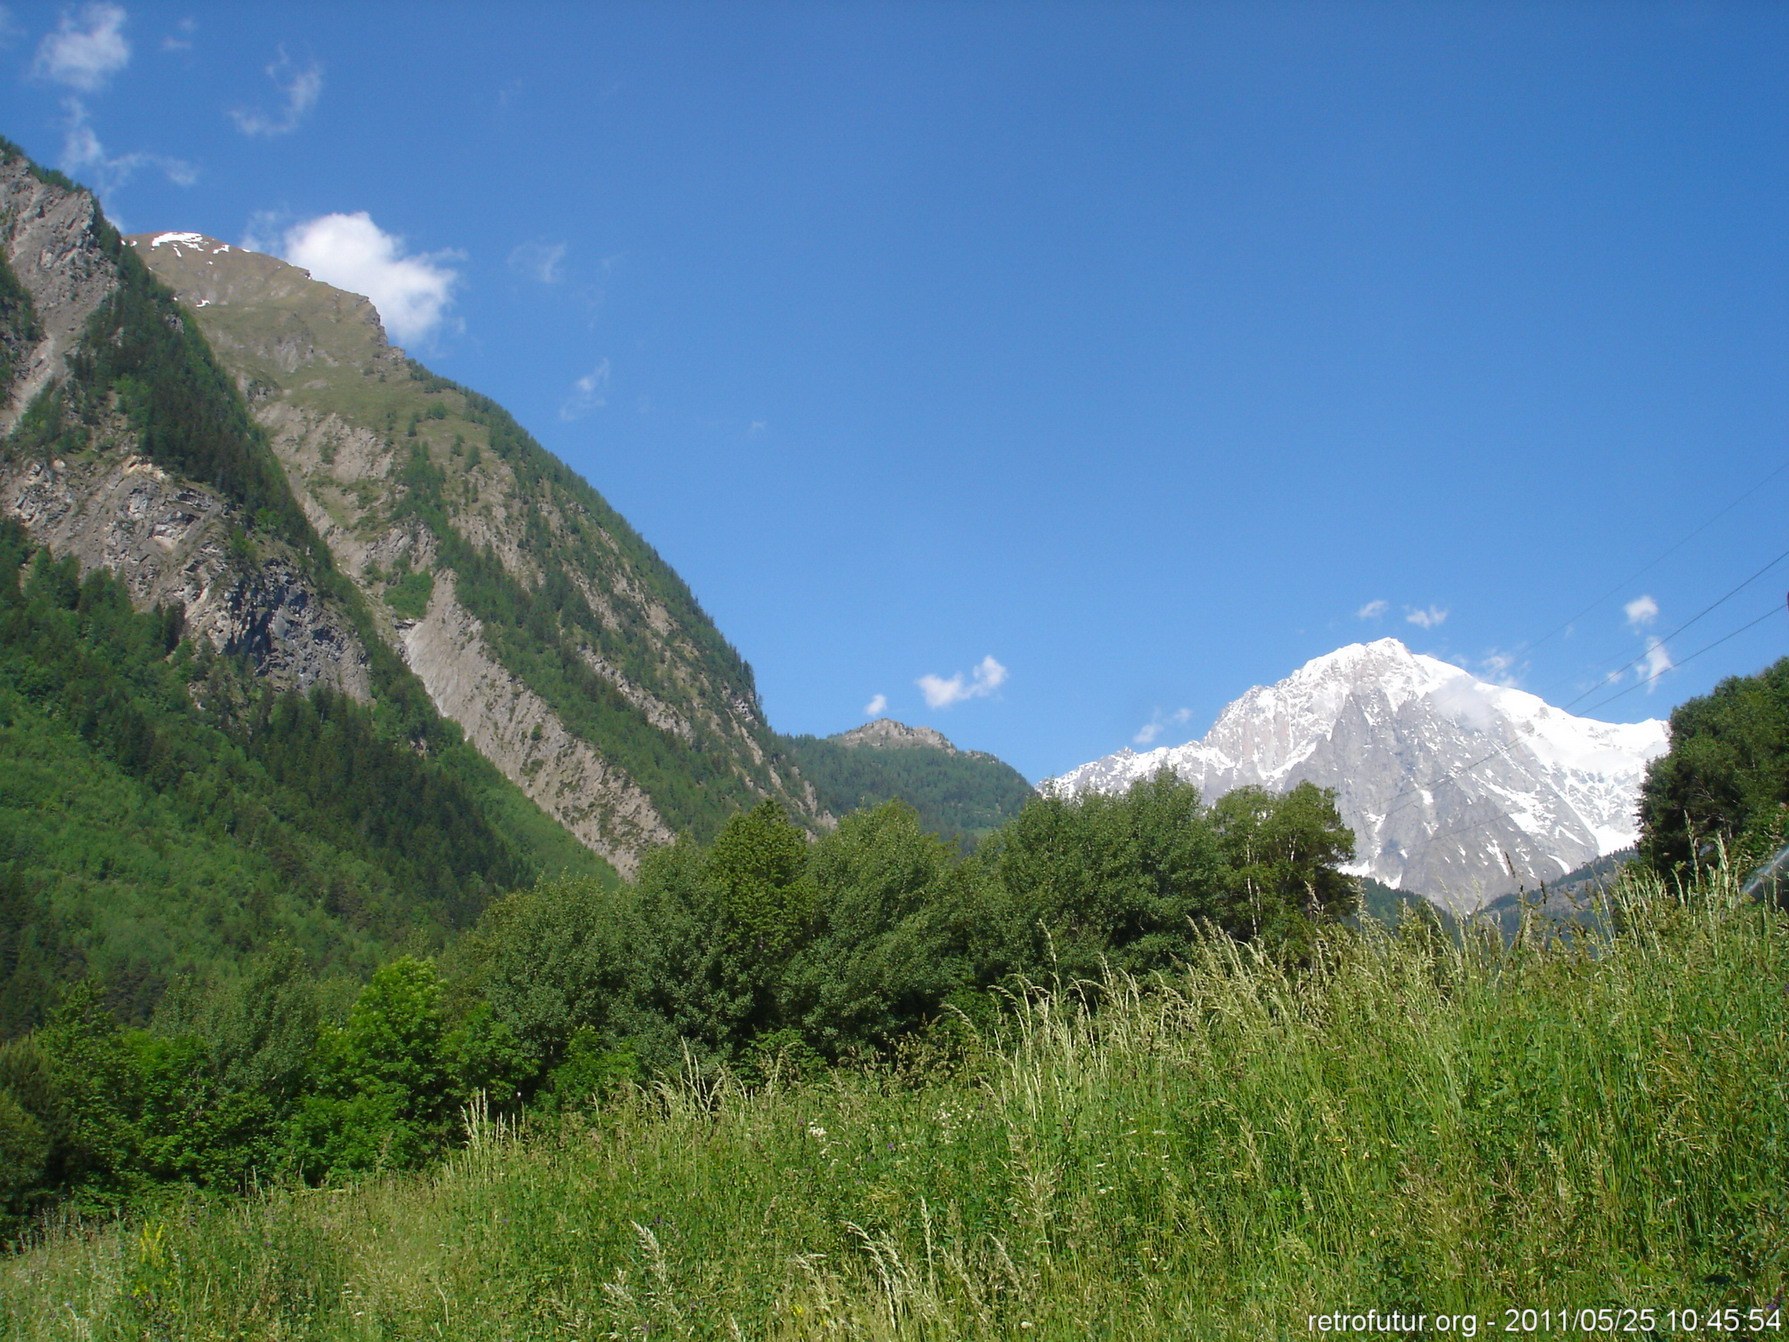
{"type": "Point", "coordinates": [535, 616]}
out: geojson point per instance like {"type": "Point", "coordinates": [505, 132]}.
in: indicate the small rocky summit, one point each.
{"type": "Point", "coordinates": [886, 733]}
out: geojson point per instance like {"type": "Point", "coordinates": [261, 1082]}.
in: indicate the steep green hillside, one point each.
{"type": "Point", "coordinates": [961, 795]}
{"type": "Point", "coordinates": [570, 652]}
{"type": "Point", "coordinates": [208, 744]}
{"type": "Point", "coordinates": [164, 812]}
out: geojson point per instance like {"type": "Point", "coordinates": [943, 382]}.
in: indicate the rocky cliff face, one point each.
{"type": "Point", "coordinates": [566, 649]}
{"type": "Point", "coordinates": [94, 492]}
{"type": "Point", "coordinates": [1455, 789]}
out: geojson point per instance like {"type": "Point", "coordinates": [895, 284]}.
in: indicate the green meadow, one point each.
{"type": "Point", "coordinates": [1408, 1121]}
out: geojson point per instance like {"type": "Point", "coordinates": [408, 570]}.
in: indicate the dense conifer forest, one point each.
{"type": "Point", "coordinates": [961, 796]}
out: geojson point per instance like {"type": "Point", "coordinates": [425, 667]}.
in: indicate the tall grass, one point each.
{"type": "Point", "coordinates": [1409, 1122]}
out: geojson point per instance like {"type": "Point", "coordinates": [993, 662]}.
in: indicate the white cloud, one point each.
{"type": "Point", "coordinates": [1160, 722]}
{"type": "Point", "coordinates": [181, 39]}
{"type": "Point", "coordinates": [85, 156]}
{"type": "Point", "coordinates": [1499, 668]}
{"type": "Point", "coordinates": [541, 261]}
{"type": "Point", "coordinates": [299, 86]}
{"type": "Point", "coordinates": [876, 707]}
{"type": "Point", "coordinates": [86, 50]}
{"type": "Point", "coordinates": [351, 252]}
{"type": "Point", "coordinates": [1641, 611]}
{"type": "Point", "coordinates": [1371, 611]}
{"type": "Point", "coordinates": [987, 677]}
{"type": "Point", "coordinates": [1657, 662]}
{"type": "Point", "coordinates": [590, 392]}
{"type": "Point", "coordinates": [1426, 619]}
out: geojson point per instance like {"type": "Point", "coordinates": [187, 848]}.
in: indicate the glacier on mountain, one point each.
{"type": "Point", "coordinates": [1455, 789]}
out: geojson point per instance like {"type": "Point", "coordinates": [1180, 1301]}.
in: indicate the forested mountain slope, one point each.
{"type": "Point", "coordinates": [961, 794]}
{"type": "Point", "coordinates": [204, 743]}
{"type": "Point", "coordinates": [568, 650]}
{"type": "Point", "coordinates": [233, 687]}
{"type": "Point", "coordinates": [163, 811]}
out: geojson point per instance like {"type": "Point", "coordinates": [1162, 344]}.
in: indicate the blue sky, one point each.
{"type": "Point", "coordinates": [1052, 373]}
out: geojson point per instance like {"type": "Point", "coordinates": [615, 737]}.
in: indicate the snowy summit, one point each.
{"type": "Point", "coordinates": [1455, 788]}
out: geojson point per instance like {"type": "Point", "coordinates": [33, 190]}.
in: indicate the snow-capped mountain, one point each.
{"type": "Point", "coordinates": [1450, 784]}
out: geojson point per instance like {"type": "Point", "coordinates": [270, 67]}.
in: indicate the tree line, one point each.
{"type": "Point", "coordinates": [763, 950]}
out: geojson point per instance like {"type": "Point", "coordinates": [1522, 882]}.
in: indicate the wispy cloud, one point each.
{"type": "Point", "coordinates": [987, 677]}
{"type": "Point", "coordinates": [1641, 612]}
{"type": "Point", "coordinates": [1371, 611]}
{"type": "Point", "coordinates": [1425, 619]}
{"type": "Point", "coordinates": [299, 86]}
{"type": "Point", "coordinates": [588, 393]}
{"type": "Point", "coordinates": [1657, 662]}
{"type": "Point", "coordinates": [84, 156]}
{"type": "Point", "coordinates": [82, 54]}
{"type": "Point", "coordinates": [1160, 722]}
{"type": "Point", "coordinates": [411, 290]}
{"type": "Point", "coordinates": [86, 50]}
{"type": "Point", "coordinates": [181, 39]}
{"type": "Point", "coordinates": [876, 707]}
{"type": "Point", "coordinates": [1499, 668]}
{"type": "Point", "coordinates": [540, 261]}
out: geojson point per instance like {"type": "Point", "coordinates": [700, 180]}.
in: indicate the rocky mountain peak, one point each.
{"type": "Point", "coordinates": [573, 658]}
{"type": "Point", "coordinates": [886, 733]}
{"type": "Point", "coordinates": [238, 291]}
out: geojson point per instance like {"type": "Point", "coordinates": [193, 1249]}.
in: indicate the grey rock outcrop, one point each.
{"type": "Point", "coordinates": [886, 733]}
{"type": "Point", "coordinates": [111, 507]}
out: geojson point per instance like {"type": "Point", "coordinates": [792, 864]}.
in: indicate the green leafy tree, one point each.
{"type": "Point", "coordinates": [886, 947]}
{"type": "Point", "coordinates": [1724, 784]}
{"type": "Point", "coordinates": [1123, 880]}
{"type": "Point", "coordinates": [24, 1153]}
{"type": "Point", "coordinates": [1110, 879]}
{"type": "Point", "coordinates": [721, 926]}
{"type": "Point", "coordinates": [553, 961]}
{"type": "Point", "coordinates": [381, 1093]}
{"type": "Point", "coordinates": [1282, 853]}
{"type": "Point", "coordinates": [87, 1099]}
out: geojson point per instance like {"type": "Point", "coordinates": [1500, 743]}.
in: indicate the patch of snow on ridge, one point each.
{"type": "Point", "coordinates": [1447, 781]}
{"type": "Point", "coordinates": [179, 240]}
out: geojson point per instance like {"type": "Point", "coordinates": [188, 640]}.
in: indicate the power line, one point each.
{"type": "Point", "coordinates": [1433, 839]}
{"type": "Point", "coordinates": [1680, 628]}
{"type": "Point", "coordinates": [1405, 799]}
{"type": "Point", "coordinates": [1650, 566]}
{"type": "Point", "coordinates": [1409, 794]}
{"type": "Point", "coordinates": [1685, 661]}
